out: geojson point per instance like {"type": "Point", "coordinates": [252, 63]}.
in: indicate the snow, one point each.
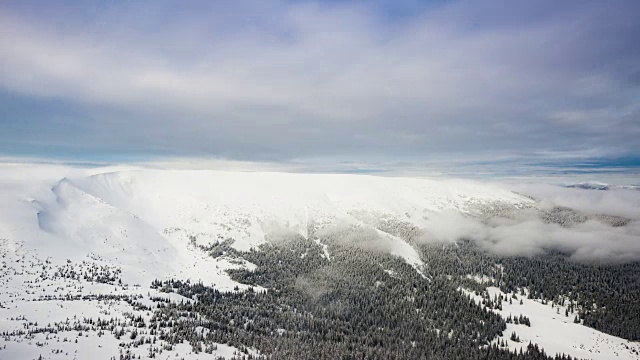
{"type": "Point", "coordinates": [557, 333]}
{"type": "Point", "coordinates": [248, 206]}
{"type": "Point", "coordinates": [32, 301]}
{"type": "Point", "coordinates": [90, 346]}
{"type": "Point", "coordinates": [138, 225]}
{"type": "Point", "coordinates": [142, 219]}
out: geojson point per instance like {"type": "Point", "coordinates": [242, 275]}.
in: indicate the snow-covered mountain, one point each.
{"type": "Point", "coordinates": [69, 232]}
{"type": "Point", "coordinates": [144, 219]}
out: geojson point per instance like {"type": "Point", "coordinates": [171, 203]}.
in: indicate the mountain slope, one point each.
{"type": "Point", "coordinates": [121, 244]}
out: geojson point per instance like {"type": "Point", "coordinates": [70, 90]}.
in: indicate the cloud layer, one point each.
{"type": "Point", "coordinates": [288, 80]}
{"type": "Point", "coordinates": [568, 220]}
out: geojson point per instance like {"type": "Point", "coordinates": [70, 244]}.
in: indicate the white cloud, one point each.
{"type": "Point", "coordinates": [620, 202]}
{"type": "Point", "coordinates": [526, 232]}
{"type": "Point", "coordinates": [288, 80]}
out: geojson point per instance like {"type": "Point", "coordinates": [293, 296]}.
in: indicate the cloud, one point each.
{"type": "Point", "coordinates": [279, 80]}
{"type": "Point", "coordinates": [620, 202]}
{"type": "Point", "coordinates": [578, 231]}
{"type": "Point", "coordinates": [452, 226]}
{"type": "Point", "coordinates": [591, 241]}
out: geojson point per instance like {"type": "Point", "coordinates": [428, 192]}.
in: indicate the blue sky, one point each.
{"type": "Point", "coordinates": [373, 83]}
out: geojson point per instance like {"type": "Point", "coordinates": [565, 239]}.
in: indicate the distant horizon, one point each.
{"type": "Point", "coordinates": [606, 171]}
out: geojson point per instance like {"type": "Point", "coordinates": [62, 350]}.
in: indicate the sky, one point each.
{"type": "Point", "coordinates": [547, 86]}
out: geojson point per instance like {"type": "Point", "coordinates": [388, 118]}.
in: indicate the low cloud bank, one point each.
{"type": "Point", "coordinates": [592, 226]}
{"type": "Point", "coordinates": [620, 202]}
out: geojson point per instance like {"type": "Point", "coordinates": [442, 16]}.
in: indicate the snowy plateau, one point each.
{"type": "Point", "coordinates": [82, 244]}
